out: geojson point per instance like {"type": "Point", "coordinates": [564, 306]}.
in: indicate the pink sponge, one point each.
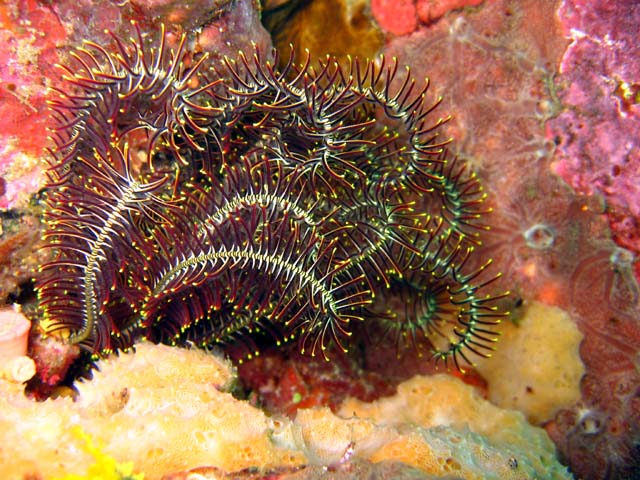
{"type": "Point", "coordinates": [14, 333]}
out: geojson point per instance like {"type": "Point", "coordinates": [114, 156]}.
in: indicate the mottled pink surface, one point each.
{"type": "Point", "coordinates": [431, 10]}
{"type": "Point", "coordinates": [498, 70]}
{"type": "Point", "coordinates": [598, 132]}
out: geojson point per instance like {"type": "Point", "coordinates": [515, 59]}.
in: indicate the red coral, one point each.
{"type": "Point", "coordinates": [284, 383]}
{"type": "Point", "coordinates": [26, 63]}
{"type": "Point", "coordinates": [395, 17]}
{"type": "Point", "coordinates": [53, 357]}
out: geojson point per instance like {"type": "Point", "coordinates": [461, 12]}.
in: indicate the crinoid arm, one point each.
{"type": "Point", "coordinates": [195, 203]}
{"type": "Point", "coordinates": [101, 208]}
{"type": "Point", "coordinates": [260, 251]}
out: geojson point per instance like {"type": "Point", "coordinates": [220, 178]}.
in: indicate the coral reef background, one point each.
{"type": "Point", "coordinates": [544, 98]}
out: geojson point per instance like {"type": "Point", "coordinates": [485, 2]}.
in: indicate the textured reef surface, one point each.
{"type": "Point", "coordinates": [170, 410]}
{"type": "Point", "coordinates": [598, 87]}
{"type": "Point", "coordinates": [543, 98]}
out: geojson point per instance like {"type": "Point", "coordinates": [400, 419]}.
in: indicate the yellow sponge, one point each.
{"type": "Point", "coordinates": [536, 368]}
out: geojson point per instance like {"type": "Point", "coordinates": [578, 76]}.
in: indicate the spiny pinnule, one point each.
{"type": "Point", "coordinates": [202, 203]}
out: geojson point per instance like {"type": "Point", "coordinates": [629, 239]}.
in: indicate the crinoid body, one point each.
{"type": "Point", "coordinates": [196, 203]}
